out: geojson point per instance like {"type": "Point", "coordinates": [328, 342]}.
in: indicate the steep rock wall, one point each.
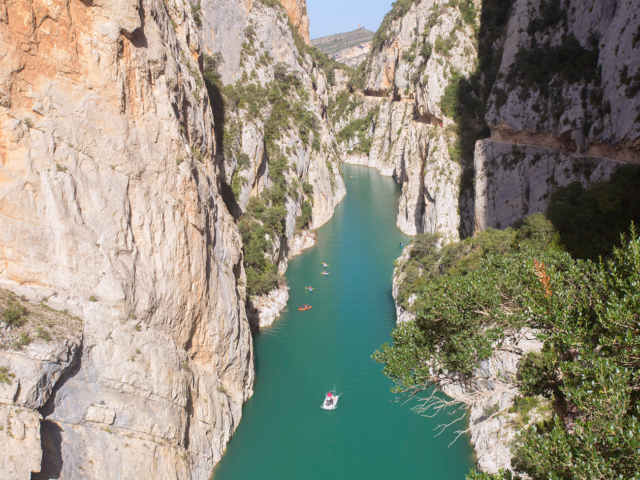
{"type": "Point", "coordinates": [407, 77]}
{"type": "Point", "coordinates": [260, 55]}
{"type": "Point", "coordinates": [513, 181]}
{"type": "Point", "coordinates": [558, 122]}
{"type": "Point", "coordinates": [110, 210]}
{"type": "Point", "coordinates": [297, 10]}
{"type": "Point", "coordinates": [588, 103]}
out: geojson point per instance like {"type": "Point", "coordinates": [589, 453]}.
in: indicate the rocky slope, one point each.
{"type": "Point", "coordinates": [120, 169]}
{"type": "Point", "coordinates": [489, 394]}
{"type": "Point", "coordinates": [565, 106]}
{"type": "Point", "coordinates": [353, 56]}
{"type": "Point", "coordinates": [561, 78]}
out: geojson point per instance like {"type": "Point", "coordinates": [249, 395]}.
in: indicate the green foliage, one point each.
{"type": "Point", "coordinates": [590, 221]}
{"type": "Point", "coordinates": [195, 11]}
{"type": "Point", "coordinates": [536, 66]}
{"type": "Point", "coordinates": [587, 315]}
{"type": "Point", "coordinates": [632, 83]}
{"type": "Point", "coordinates": [464, 99]}
{"type": "Point", "coordinates": [427, 261]}
{"type": "Point", "coordinates": [303, 220]}
{"type": "Point", "coordinates": [344, 104]}
{"type": "Point", "coordinates": [360, 127]}
{"type": "Point", "coordinates": [307, 188]}
{"type": "Point", "coordinates": [23, 340]}
{"type": "Point", "coordinates": [43, 334]}
{"type": "Point", "coordinates": [261, 272]}
{"type": "Point", "coordinates": [6, 376]}
{"type": "Point", "coordinates": [551, 15]}
{"type": "Point", "coordinates": [501, 475]}
{"type": "Point", "coordinates": [408, 56]}
{"type": "Point", "coordinates": [14, 314]}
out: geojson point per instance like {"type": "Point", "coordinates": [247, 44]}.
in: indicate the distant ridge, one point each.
{"type": "Point", "coordinates": [340, 41]}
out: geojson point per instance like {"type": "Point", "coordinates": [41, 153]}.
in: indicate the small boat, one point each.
{"type": "Point", "coordinates": [324, 273]}
{"type": "Point", "coordinates": [304, 307]}
{"type": "Point", "coordinates": [330, 401]}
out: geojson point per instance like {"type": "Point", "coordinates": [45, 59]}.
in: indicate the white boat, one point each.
{"type": "Point", "coordinates": [330, 401]}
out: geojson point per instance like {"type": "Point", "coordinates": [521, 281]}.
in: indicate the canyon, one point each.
{"type": "Point", "coordinates": [149, 148]}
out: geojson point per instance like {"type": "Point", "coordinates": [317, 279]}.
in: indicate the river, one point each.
{"type": "Point", "coordinates": [284, 434]}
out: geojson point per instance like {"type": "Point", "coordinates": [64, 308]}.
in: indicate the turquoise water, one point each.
{"type": "Point", "coordinates": [284, 434]}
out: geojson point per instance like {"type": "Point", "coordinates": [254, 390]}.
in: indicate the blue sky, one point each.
{"type": "Point", "coordinates": [327, 17]}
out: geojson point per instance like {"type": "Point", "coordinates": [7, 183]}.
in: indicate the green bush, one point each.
{"type": "Point", "coordinates": [427, 261]}
{"type": "Point", "coordinates": [587, 314]}
{"type": "Point", "coordinates": [6, 376]}
{"type": "Point", "coordinates": [14, 314]}
{"type": "Point", "coordinates": [590, 221]}
{"type": "Point", "coordinates": [537, 65]}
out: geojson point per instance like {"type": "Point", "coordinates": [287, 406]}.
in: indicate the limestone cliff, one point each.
{"type": "Point", "coordinates": [275, 141]}
{"type": "Point", "coordinates": [410, 137]}
{"type": "Point", "coordinates": [297, 10]}
{"type": "Point", "coordinates": [111, 212]}
{"type": "Point", "coordinates": [565, 105]}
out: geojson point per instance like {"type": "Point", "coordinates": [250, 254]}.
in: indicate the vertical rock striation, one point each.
{"type": "Point", "coordinates": [110, 210]}
{"type": "Point", "coordinates": [557, 93]}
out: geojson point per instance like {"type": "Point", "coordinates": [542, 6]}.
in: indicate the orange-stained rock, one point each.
{"type": "Point", "coordinates": [297, 10]}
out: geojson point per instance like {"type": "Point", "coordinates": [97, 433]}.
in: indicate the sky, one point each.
{"type": "Point", "coordinates": [328, 17]}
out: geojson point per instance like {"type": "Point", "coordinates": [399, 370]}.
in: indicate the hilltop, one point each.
{"type": "Point", "coordinates": [340, 41]}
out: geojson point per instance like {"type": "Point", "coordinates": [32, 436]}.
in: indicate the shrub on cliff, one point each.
{"type": "Point", "coordinates": [588, 315]}
{"type": "Point", "coordinates": [590, 221]}
{"type": "Point", "coordinates": [427, 261]}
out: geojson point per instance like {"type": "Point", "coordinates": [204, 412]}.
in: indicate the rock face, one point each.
{"type": "Point", "coordinates": [409, 136]}
{"type": "Point", "coordinates": [297, 10]}
{"type": "Point", "coordinates": [590, 104]}
{"type": "Point", "coordinates": [563, 107]}
{"type": "Point", "coordinates": [257, 62]}
{"type": "Point", "coordinates": [110, 209]}
{"type": "Point", "coordinates": [353, 56]}
{"type": "Point", "coordinates": [513, 181]}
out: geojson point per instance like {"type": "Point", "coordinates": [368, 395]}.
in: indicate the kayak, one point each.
{"type": "Point", "coordinates": [330, 406]}
{"type": "Point", "coordinates": [302, 309]}
{"type": "Point", "coordinates": [324, 273]}
{"type": "Point", "coordinates": [324, 264]}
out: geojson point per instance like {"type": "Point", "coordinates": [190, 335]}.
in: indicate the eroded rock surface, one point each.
{"type": "Point", "coordinates": [110, 209]}
{"type": "Point", "coordinates": [408, 134]}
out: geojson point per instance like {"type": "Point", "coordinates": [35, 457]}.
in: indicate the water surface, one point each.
{"type": "Point", "coordinates": [284, 434]}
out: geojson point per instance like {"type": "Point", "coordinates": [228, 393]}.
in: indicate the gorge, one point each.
{"type": "Point", "coordinates": [164, 160]}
